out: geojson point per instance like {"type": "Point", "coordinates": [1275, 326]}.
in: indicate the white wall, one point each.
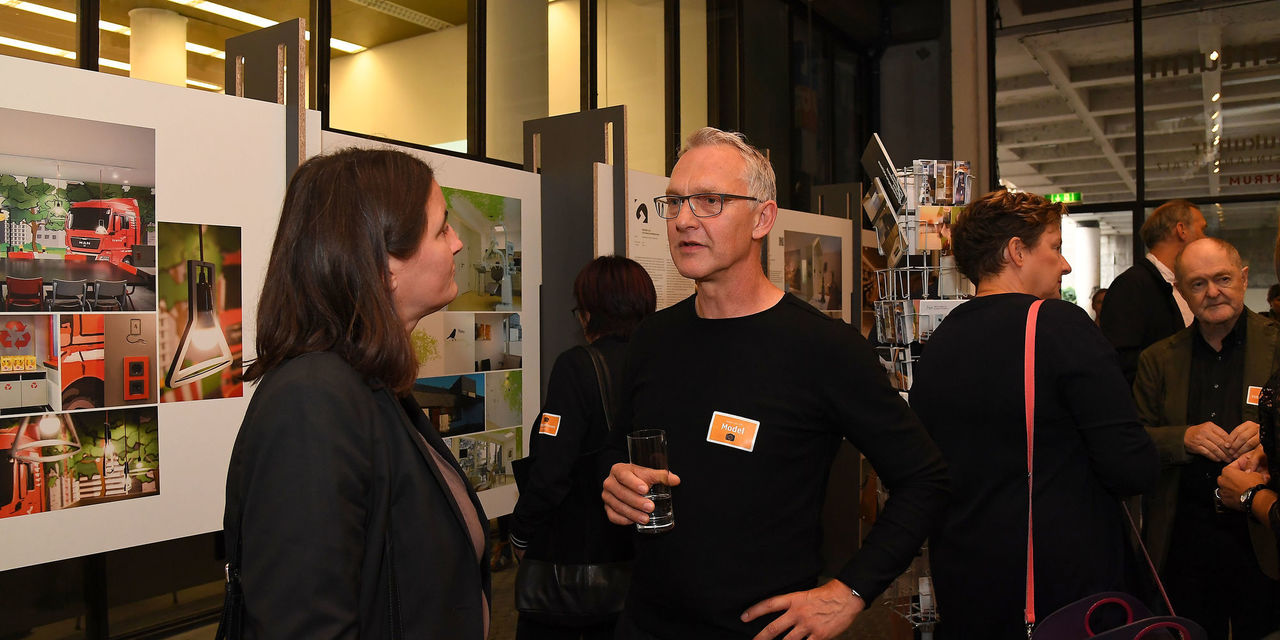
{"type": "Point", "coordinates": [564, 66]}
{"type": "Point", "coordinates": [631, 74]}
{"type": "Point", "coordinates": [517, 75]}
{"type": "Point", "coordinates": [413, 90]}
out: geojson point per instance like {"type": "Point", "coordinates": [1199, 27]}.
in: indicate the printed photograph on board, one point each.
{"type": "Point", "coordinates": [57, 461]}
{"type": "Point", "coordinates": [812, 269]}
{"type": "Point", "coordinates": [200, 312]}
{"type": "Point", "coordinates": [486, 457]}
{"type": "Point", "coordinates": [107, 359]}
{"type": "Point", "coordinates": [499, 338]}
{"type": "Point", "coordinates": [503, 399]}
{"type": "Point", "coordinates": [454, 404]}
{"type": "Point", "coordinates": [488, 267]}
{"type": "Point", "coordinates": [28, 364]}
{"type": "Point", "coordinates": [76, 235]}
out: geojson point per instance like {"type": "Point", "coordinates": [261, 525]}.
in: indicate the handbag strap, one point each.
{"type": "Point", "coordinates": [1029, 406]}
{"type": "Point", "coordinates": [604, 382]}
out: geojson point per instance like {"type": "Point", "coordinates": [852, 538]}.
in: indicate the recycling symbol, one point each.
{"type": "Point", "coordinates": [15, 335]}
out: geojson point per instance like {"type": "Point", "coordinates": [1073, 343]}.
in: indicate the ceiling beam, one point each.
{"type": "Point", "coordinates": [1061, 79]}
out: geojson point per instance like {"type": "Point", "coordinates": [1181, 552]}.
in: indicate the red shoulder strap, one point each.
{"type": "Point", "coordinates": [1029, 405]}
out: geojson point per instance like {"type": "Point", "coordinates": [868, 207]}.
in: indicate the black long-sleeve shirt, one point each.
{"type": "Point", "coordinates": [1089, 450]}
{"type": "Point", "coordinates": [748, 510]}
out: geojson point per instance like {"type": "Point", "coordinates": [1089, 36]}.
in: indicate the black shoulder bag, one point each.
{"type": "Point", "coordinates": [576, 594]}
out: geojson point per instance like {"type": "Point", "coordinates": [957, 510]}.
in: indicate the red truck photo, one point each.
{"type": "Point", "coordinates": [104, 229]}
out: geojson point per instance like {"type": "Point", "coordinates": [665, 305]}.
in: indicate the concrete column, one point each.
{"type": "Point", "coordinates": [1086, 267]}
{"type": "Point", "coordinates": [969, 126]}
{"type": "Point", "coordinates": [158, 46]}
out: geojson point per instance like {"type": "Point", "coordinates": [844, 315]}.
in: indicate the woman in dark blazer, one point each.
{"type": "Point", "coordinates": [346, 514]}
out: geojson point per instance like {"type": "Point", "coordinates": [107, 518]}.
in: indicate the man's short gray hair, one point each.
{"type": "Point", "coordinates": [761, 181]}
{"type": "Point", "coordinates": [1159, 227]}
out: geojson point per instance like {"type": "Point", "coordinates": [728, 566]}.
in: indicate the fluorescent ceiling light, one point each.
{"type": "Point", "coordinates": [226, 12]}
{"type": "Point", "coordinates": [258, 21]}
{"type": "Point", "coordinates": [1215, 128]}
{"type": "Point", "coordinates": [203, 85]}
{"type": "Point", "coordinates": [1213, 55]}
{"type": "Point", "coordinates": [38, 48]}
{"type": "Point", "coordinates": [104, 62]}
{"type": "Point", "coordinates": [105, 25]}
{"type": "Point", "coordinates": [1215, 115]}
{"type": "Point", "coordinates": [1215, 96]}
{"type": "Point", "coordinates": [1216, 169]}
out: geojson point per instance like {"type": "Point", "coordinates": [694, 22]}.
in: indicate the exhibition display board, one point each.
{"type": "Point", "coordinates": [478, 359]}
{"type": "Point", "coordinates": [811, 257]}
{"type": "Point", "coordinates": [170, 192]}
{"type": "Point", "coordinates": [135, 230]}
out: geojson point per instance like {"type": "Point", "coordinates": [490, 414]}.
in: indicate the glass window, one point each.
{"type": "Point", "coordinates": [1212, 121]}
{"type": "Point", "coordinates": [180, 42]}
{"type": "Point", "coordinates": [1064, 107]}
{"type": "Point", "coordinates": [44, 31]}
{"type": "Point", "coordinates": [516, 72]}
{"type": "Point", "coordinates": [403, 76]}
{"type": "Point", "coordinates": [693, 67]}
{"type": "Point", "coordinates": [1099, 247]}
{"type": "Point", "coordinates": [564, 59]}
{"type": "Point", "coordinates": [631, 73]}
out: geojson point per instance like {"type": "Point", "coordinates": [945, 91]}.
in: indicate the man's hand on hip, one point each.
{"type": "Point", "coordinates": [1209, 440]}
{"type": "Point", "coordinates": [624, 489]}
{"type": "Point", "coordinates": [816, 614]}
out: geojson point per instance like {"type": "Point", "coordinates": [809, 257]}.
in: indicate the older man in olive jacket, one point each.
{"type": "Point", "coordinates": [1197, 394]}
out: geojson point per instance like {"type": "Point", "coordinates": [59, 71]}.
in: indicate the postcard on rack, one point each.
{"type": "Point", "coordinates": [960, 176]}
{"type": "Point", "coordinates": [925, 181]}
{"type": "Point", "coordinates": [942, 182]}
{"type": "Point", "coordinates": [876, 162]}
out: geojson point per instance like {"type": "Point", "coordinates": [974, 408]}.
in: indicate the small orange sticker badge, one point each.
{"type": "Point", "coordinates": [1254, 394]}
{"type": "Point", "coordinates": [550, 424]}
{"type": "Point", "coordinates": [733, 431]}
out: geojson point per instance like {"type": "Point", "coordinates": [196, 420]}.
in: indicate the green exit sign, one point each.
{"type": "Point", "coordinates": [1073, 196]}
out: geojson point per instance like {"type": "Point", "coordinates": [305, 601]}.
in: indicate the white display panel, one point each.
{"type": "Point", "coordinates": [480, 351]}
{"type": "Point", "coordinates": [218, 160]}
{"type": "Point", "coordinates": [646, 232]}
{"type": "Point", "coordinates": [801, 261]}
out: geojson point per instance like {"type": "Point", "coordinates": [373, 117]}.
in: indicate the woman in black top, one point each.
{"type": "Point", "coordinates": [560, 517]}
{"type": "Point", "coordinates": [1090, 449]}
{"type": "Point", "coordinates": [346, 514]}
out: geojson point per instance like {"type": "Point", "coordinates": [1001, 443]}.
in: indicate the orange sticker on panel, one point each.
{"type": "Point", "coordinates": [1253, 396]}
{"type": "Point", "coordinates": [733, 431]}
{"type": "Point", "coordinates": [550, 424]}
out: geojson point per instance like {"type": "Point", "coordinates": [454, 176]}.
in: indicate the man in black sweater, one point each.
{"type": "Point", "coordinates": [1141, 306]}
{"type": "Point", "coordinates": [755, 389]}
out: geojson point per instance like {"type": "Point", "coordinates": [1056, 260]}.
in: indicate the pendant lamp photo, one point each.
{"type": "Point", "coordinates": [47, 438]}
{"type": "Point", "coordinates": [203, 350]}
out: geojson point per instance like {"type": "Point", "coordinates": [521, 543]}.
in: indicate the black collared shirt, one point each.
{"type": "Point", "coordinates": [1215, 394]}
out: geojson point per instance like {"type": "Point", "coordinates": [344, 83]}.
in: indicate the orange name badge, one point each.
{"type": "Point", "coordinates": [1252, 397]}
{"type": "Point", "coordinates": [550, 424]}
{"type": "Point", "coordinates": [733, 431]}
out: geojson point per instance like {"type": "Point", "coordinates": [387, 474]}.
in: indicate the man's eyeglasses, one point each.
{"type": "Point", "coordinates": [703, 205]}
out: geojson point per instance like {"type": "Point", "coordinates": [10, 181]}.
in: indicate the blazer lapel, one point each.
{"type": "Point", "coordinates": [1179, 378]}
{"type": "Point", "coordinates": [424, 435]}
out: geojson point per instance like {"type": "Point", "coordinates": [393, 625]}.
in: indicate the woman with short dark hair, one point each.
{"type": "Point", "coordinates": [560, 517]}
{"type": "Point", "coordinates": [346, 514]}
{"type": "Point", "coordinates": [1089, 449]}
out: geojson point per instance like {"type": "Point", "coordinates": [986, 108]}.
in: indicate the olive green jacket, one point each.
{"type": "Point", "coordinates": [1161, 390]}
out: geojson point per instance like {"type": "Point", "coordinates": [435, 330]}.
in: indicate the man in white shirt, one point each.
{"type": "Point", "coordinates": [1142, 307]}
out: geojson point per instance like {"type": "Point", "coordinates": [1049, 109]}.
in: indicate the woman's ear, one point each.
{"type": "Point", "coordinates": [1014, 251]}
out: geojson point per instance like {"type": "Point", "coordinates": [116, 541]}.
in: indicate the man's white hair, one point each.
{"type": "Point", "coordinates": [761, 181]}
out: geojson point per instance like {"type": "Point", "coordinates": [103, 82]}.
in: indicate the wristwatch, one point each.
{"type": "Point", "coordinates": [1246, 498]}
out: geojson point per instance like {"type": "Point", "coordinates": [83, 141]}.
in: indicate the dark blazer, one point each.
{"type": "Point", "coordinates": [1139, 311]}
{"type": "Point", "coordinates": [345, 528]}
{"type": "Point", "coordinates": [1160, 392]}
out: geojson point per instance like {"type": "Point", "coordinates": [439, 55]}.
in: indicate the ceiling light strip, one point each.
{"type": "Point", "coordinates": [105, 25]}
{"type": "Point", "coordinates": [404, 13]}
{"type": "Point", "coordinates": [38, 48]}
{"type": "Point", "coordinates": [258, 21]}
